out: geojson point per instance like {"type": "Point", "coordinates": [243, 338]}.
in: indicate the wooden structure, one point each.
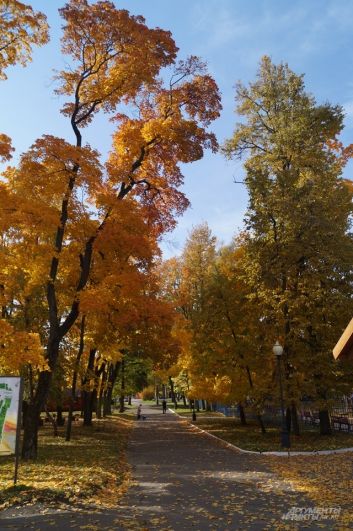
{"type": "Point", "coordinates": [344, 346]}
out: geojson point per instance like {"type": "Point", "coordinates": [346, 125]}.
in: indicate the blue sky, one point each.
{"type": "Point", "coordinates": [314, 36]}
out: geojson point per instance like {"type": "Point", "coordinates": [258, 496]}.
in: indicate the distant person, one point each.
{"type": "Point", "coordinates": [164, 405]}
{"type": "Point", "coordinates": [139, 412]}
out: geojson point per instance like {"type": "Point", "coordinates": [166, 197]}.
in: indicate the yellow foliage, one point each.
{"type": "Point", "coordinates": [20, 27]}
{"type": "Point", "coordinates": [18, 349]}
{"type": "Point", "coordinates": [79, 240]}
{"type": "Point", "coordinates": [212, 388]}
{"type": "Point", "coordinates": [148, 393]}
{"type": "Point", "coordinates": [5, 147]}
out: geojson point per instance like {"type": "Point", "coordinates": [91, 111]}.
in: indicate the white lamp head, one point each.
{"type": "Point", "coordinates": [277, 349]}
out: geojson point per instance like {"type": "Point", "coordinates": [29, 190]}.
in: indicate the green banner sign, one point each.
{"type": "Point", "coordinates": [10, 387]}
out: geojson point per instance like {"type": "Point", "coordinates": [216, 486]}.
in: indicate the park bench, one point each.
{"type": "Point", "coordinates": [341, 423]}
{"type": "Point", "coordinates": [309, 417]}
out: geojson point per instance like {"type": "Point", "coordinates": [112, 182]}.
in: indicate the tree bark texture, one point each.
{"type": "Point", "coordinates": [74, 379]}
{"type": "Point", "coordinates": [87, 394]}
{"type": "Point", "coordinates": [295, 421]}
{"type": "Point", "coordinates": [122, 391]}
{"type": "Point", "coordinates": [242, 414]}
{"type": "Point", "coordinates": [325, 422]}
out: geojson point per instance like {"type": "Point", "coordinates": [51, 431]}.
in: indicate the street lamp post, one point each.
{"type": "Point", "coordinates": [193, 410]}
{"type": "Point", "coordinates": [285, 439]}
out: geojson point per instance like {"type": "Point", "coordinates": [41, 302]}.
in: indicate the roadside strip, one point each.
{"type": "Point", "coordinates": [278, 454]}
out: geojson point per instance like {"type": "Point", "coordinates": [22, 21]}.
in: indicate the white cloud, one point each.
{"type": "Point", "coordinates": [302, 28]}
{"type": "Point", "coordinates": [220, 23]}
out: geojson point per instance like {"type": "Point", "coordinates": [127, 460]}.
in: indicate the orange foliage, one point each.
{"type": "Point", "coordinates": [80, 236]}
{"type": "Point", "coordinates": [18, 349]}
{"type": "Point", "coordinates": [5, 148]}
{"type": "Point", "coordinates": [20, 27]}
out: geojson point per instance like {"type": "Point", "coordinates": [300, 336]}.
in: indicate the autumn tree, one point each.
{"type": "Point", "coordinates": [236, 334]}
{"type": "Point", "coordinates": [298, 245]}
{"type": "Point", "coordinates": [197, 262]}
{"type": "Point", "coordinates": [186, 284]}
{"type": "Point", "coordinates": [62, 200]}
{"type": "Point", "coordinates": [126, 320]}
{"type": "Point", "coordinates": [20, 28]}
{"type": "Point", "coordinates": [225, 360]}
{"type": "Point", "coordinates": [136, 372]}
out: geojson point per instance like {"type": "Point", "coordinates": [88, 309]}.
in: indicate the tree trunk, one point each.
{"type": "Point", "coordinates": [295, 422]}
{"type": "Point", "coordinates": [30, 382]}
{"type": "Point", "coordinates": [261, 423]}
{"type": "Point", "coordinates": [59, 416]}
{"type": "Point", "coordinates": [30, 435]}
{"type": "Point", "coordinates": [122, 390]}
{"type": "Point", "coordinates": [103, 378]}
{"type": "Point", "coordinates": [184, 400]}
{"type": "Point", "coordinates": [69, 421]}
{"type": "Point", "coordinates": [121, 403]}
{"type": "Point", "coordinates": [129, 401]}
{"type": "Point", "coordinates": [56, 333]}
{"type": "Point", "coordinates": [87, 411]}
{"type": "Point", "coordinates": [93, 402]}
{"type": "Point", "coordinates": [87, 395]}
{"type": "Point", "coordinates": [53, 422]}
{"type": "Point", "coordinates": [288, 419]}
{"type": "Point", "coordinates": [242, 414]}
{"type": "Point", "coordinates": [74, 379]}
{"type": "Point", "coordinates": [24, 412]}
{"type": "Point", "coordinates": [99, 406]}
{"type": "Point", "coordinates": [258, 415]}
{"type": "Point", "coordinates": [107, 403]}
{"type": "Point", "coordinates": [173, 397]}
{"type": "Point", "coordinates": [113, 373]}
{"type": "Point", "coordinates": [325, 423]}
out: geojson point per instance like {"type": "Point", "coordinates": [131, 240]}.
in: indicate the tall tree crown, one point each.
{"type": "Point", "coordinates": [20, 28]}
{"type": "Point", "coordinates": [283, 126]}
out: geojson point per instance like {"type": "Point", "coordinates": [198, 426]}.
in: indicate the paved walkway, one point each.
{"type": "Point", "coordinates": [183, 480]}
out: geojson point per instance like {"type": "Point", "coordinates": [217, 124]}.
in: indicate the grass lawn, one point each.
{"type": "Point", "coordinates": [128, 414]}
{"type": "Point", "coordinates": [250, 437]}
{"type": "Point", "coordinates": [90, 469]}
{"type": "Point", "coordinates": [187, 412]}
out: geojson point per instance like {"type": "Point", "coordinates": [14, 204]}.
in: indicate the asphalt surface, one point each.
{"type": "Point", "coordinates": [183, 480]}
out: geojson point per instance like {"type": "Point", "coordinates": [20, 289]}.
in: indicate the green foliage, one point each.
{"type": "Point", "coordinates": [289, 275]}
{"type": "Point", "coordinates": [136, 371]}
{"type": "Point", "coordinates": [298, 250]}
